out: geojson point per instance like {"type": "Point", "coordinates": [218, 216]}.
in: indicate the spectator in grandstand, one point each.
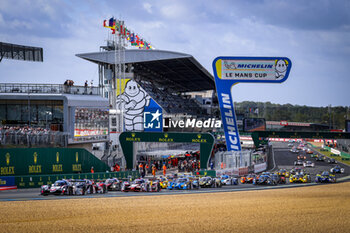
{"type": "Point", "coordinates": [85, 87]}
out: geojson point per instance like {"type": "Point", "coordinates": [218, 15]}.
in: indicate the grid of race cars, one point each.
{"type": "Point", "coordinates": [305, 159]}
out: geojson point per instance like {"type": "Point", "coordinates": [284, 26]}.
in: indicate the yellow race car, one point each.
{"type": "Point", "coordinates": [283, 172]}
{"type": "Point", "coordinates": [163, 182]}
{"type": "Point", "coordinates": [299, 178]}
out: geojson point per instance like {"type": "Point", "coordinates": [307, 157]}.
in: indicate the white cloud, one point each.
{"type": "Point", "coordinates": [2, 21]}
{"type": "Point", "coordinates": [174, 11]}
{"type": "Point", "coordinates": [148, 7]}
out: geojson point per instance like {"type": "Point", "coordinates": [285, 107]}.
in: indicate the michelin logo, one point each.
{"type": "Point", "coordinates": [153, 121]}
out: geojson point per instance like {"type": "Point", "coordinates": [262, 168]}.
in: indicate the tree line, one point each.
{"type": "Point", "coordinates": [333, 116]}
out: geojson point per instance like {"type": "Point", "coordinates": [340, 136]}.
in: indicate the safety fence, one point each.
{"type": "Point", "coordinates": [39, 180]}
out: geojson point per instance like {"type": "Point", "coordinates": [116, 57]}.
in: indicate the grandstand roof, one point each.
{"type": "Point", "coordinates": [20, 52]}
{"type": "Point", "coordinates": [179, 71]}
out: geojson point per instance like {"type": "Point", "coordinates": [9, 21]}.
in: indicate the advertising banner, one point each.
{"type": "Point", "coordinates": [260, 167]}
{"type": "Point", "coordinates": [229, 71]}
{"type": "Point", "coordinates": [140, 111]}
{"type": "Point", "coordinates": [7, 181]}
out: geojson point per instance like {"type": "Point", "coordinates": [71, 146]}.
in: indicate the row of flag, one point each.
{"type": "Point", "coordinates": [131, 37]}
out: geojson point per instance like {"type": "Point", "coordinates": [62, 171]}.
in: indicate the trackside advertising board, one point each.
{"type": "Point", "coordinates": [229, 71]}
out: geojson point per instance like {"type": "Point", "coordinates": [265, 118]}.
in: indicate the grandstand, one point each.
{"type": "Point", "coordinates": [166, 76]}
{"type": "Point", "coordinates": [51, 115]}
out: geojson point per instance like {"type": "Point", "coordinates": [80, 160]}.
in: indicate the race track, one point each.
{"type": "Point", "coordinates": [283, 158]}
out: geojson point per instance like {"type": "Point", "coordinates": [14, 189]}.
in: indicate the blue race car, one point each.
{"type": "Point", "coordinates": [337, 169]}
{"type": "Point", "coordinates": [181, 183]}
{"type": "Point", "coordinates": [325, 177]}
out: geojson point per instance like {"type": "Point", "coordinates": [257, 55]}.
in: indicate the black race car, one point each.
{"type": "Point", "coordinates": [331, 160]}
{"type": "Point", "coordinates": [265, 179]}
{"type": "Point", "coordinates": [321, 158]}
{"type": "Point", "coordinates": [60, 187]}
{"type": "Point", "coordinates": [113, 184]}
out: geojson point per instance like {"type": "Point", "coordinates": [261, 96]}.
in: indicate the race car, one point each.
{"type": "Point", "coordinates": [265, 179]}
{"type": "Point", "coordinates": [63, 187]}
{"type": "Point", "coordinates": [294, 150]}
{"type": "Point", "coordinates": [181, 183]}
{"type": "Point", "coordinates": [309, 151]}
{"type": "Point", "coordinates": [113, 184]}
{"type": "Point", "coordinates": [301, 157]}
{"type": "Point", "coordinates": [79, 187]}
{"type": "Point", "coordinates": [138, 185]}
{"type": "Point", "coordinates": [290, 144]}
{"type": "Point", "coordinates": [248, 179]}
{"type": "Point", "coordinates": [100, 187]}
{"type": "Point", "coordinates": [208, 182]}
{"type": "Point", "coordinates": [227, 180]}
{"type": "Point", "coordinates": [298, 162]}
{"type": "Point", "coordinates": [325, 177]}
{"type": "Point", "coordinates": [331, 160]}
{"type": "Point", "coordinates": [279, 179]}
{"type": "Point", "coordinates": [297, 170]}
{"type": "Point", "coordinates": [337, 169]}
{"type": "Point", "coordinates": [163, 182]}
{"type": "Point", "coordinates": [308, 164]}
{"type": "Point", "coordinates": [153, 186]}
{"type": "Point", "coordinates": [314, 155]}
{"type": "Point", "coordinates": [283, 172]}
{"type": "Point", "coordinates": [299, 178]}
{"type": "Point", "coordinates": [321, 158]}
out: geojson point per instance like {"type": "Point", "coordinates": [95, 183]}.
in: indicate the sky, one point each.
{"type": "Point", "coordinates": [315, 35]}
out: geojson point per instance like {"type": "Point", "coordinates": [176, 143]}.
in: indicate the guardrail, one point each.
{"type": "Point", "coordinates": [38, 180]}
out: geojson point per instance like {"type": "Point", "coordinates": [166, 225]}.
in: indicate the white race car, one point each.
{"type": "Point", "coordinates": [308, 164]}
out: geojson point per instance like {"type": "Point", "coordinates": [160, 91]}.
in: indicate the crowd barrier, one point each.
{"type": "Point", "coordinates": [38, 180]}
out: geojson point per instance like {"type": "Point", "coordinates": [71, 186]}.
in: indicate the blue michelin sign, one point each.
{"type": "Point", "coordinates": [229, 71]}
{"type": "Point", "coordinates": [153, 117]}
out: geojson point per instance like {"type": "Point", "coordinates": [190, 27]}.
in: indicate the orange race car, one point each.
{"type": "Point", "coordinates": [248, 179]}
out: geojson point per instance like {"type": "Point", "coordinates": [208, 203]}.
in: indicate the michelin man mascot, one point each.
{"type": "Point", "coordinates": [133, 102]}
{"type": "Point", "coordinates": [281, 68]}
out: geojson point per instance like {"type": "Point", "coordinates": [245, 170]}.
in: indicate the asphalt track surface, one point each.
{"type": "Point", "coordinates": [283, 158]}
